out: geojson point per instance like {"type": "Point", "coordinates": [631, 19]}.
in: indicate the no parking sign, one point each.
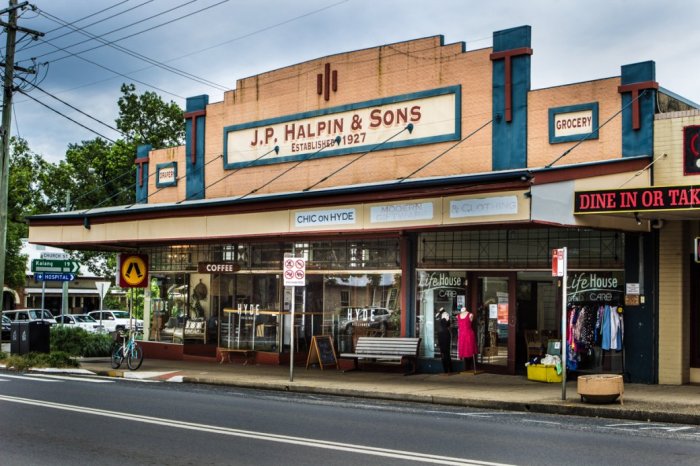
{"type": "Point", "coordinates": [294, 271]}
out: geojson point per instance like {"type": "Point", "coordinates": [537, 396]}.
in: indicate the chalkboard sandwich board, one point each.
{"type": "Point", "coordinates": [322, 352]}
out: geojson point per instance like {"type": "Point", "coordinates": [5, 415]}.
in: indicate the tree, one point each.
{"type": "Point", "coordinates": [24, 198]}
{"type": "Point", "coordinates": [147, 119]}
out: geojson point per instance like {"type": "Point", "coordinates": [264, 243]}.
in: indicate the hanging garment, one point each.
{"type": "Point", "coordinates": [466, 340]}
{"type": "Point", "coordinates": [606, 329]}
{"type": "Point", "coordinates": [445, 342]}
{"type": "Point", "coordinates": [615, 329]}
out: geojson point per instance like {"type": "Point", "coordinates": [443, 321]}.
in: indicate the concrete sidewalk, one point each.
{"type": "Point", "coordinates": [654, 403]}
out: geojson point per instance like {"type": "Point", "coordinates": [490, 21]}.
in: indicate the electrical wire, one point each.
{"type": "Point", "coordinates": [142, 57]}
{"type": "Point", "coordinates": [179, 178]}
{"type": "Point", "coordinates": [589, 135]}
{"type": "Point", "coordinates": [408, 128]}
{"type": "Point", "coordinates": [276, 150]}
{"type": "Point", "coordinates": [401, 180]}
{"type": "Point", "coordinates": [49, 16]}
{"type": "Point", "coordinates": [65, 116]}
{"type": "Point", "coordinates": [63, 26]}
{"type": "Point", "coordinates": [336, 141]}
{"type": "Point", "coordinates": [75, 108]}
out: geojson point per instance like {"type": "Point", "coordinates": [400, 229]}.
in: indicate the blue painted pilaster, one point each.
{"type": "Point", "coordinates": [141, 162]}
{"type": "Point", "coordinates": [511, 48]}
{"type": "Point", "coordinates": [638, 79]}
{"type": "Point", "coordinates": [195, 119]}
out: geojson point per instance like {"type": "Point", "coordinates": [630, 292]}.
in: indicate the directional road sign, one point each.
{"type": "Point", "coordinates": [54, 277]}
{"type": "Point", "coordinates": [53, 265]}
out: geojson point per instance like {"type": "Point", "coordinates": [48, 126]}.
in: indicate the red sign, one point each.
{"type": "Point", "coordinates": [558, 262]}
{"type": "Point", "coordinates": [637, 200]}
{"type": "Point", "coordinates": [691, 150]}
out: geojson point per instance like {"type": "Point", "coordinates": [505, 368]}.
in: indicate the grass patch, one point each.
{"type": "Point", "coordinates": [57, 359]}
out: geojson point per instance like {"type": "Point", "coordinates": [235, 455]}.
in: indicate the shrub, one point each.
{"type": "Point", "coordinates": [78, 342]}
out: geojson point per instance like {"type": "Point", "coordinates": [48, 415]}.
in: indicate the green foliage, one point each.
{"type": "Point", "coordinates": [78, 342]}
{"type": "Point", "coordinates": [147, 119]}
{"type": "Point", "coordinates": [3, 355]}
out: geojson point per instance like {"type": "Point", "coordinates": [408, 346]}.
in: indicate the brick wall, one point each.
{"type": "Point", "coordinates": [674, 317]}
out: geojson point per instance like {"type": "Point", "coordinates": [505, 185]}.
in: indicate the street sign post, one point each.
{"type": "Point", "coordinates": [559, 269]}
{"type": "Point", "coordinates": [55, 265]}
{"type": "Point", "coordinates": [294, 273]}
{"type": "Point", "coordinates": [102, 288]}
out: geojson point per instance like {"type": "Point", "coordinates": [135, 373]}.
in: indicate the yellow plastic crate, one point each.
{"type": "Point", "coordinates": [542, 373]}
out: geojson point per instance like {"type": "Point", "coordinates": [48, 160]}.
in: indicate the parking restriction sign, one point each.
{"type": "Point", "coordinates": [294, 271]}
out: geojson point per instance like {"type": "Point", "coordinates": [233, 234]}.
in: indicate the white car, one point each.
{"type": "Point", "coordinates": [113, 320]}
{"type": "Point", "coordinates": [30, 315]}
{"type": "Point", "coordinates": [83, 321]}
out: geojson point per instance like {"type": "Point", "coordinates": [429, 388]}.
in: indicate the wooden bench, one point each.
{"type": "Point", "coordinates": [248, 354]}
{"type": "Point", "coordinates": [401, 349]}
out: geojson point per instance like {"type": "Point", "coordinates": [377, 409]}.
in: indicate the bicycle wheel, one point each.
{"type": "Point", "coordinates": [134, 358]}
{"type": "Point", "coordinates": [117, 357]}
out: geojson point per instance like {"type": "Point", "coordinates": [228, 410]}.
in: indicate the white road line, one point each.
{"type": "Point", "coordinates": [542, 422]}
{"type": "Point", "coordinates": [67, 377]}
{"type": "Point", "coordinates": [24, 377]}
{"type": "Point", "coordinates": [306, 442]}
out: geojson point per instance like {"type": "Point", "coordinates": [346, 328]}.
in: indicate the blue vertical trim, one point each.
{"type": "Point", "coordinates": [194, 172]}
{"type": "Point", "coordinates": [509, 139]}
{"type": "Point", "coordinates": [142, 191]}
{"type": "Point", "coordinates": [641, 141]}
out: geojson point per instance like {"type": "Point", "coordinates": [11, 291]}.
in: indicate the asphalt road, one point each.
{"type": "Point", "coordinates": [46, 420]}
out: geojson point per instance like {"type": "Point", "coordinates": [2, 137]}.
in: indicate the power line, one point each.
{"type": "Point", "coordinates": [408, 128]}
{"type": "Point", "coordinates": [401, 180]}
{"type": "Point", "coordinates": [137, 55]}
{"type": "Point", "coordinates": [336, 141]}
{"type": "Point", "coordinates": [63, 26]}
{"type": "Point", "coordinates": [589, 135]}
{"type": "Point", "coordinates": [276, 150]}
{"type": "Point", "coordinates": [74, 108]}
{"type": "Point", "coordinates": [49, 16]}
{"type": "Point", "coordinates": [65, 116]}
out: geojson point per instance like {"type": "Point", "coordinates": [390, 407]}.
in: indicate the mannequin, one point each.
{"type": "Point", "coordinates": [466, 341]}
{"type": "Point", "coordinates": [444, 339]}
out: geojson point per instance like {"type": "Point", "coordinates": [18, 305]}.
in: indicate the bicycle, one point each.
{"type": "Point", "coordinates": [128, 349]}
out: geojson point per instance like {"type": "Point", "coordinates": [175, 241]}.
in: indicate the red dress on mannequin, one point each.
{"type": "Point", "coordinates": [466, 340]}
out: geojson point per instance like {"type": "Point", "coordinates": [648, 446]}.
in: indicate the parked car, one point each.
{"type": "Point", "coordinates": [29, 315]}
{"type": "Point", "coordinates": [83, 321]}
{"type": "Point", "coordinates": [113, 320]}
{"type": "Point", "coordinates": [378, 317]}
{"type": "Point", "coordinates": [6, 328]}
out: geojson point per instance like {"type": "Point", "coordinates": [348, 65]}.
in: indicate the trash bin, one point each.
{"type": "Point", "coordinates": [39, 337]}
{"type": "Point", "coordinates": [30, 337]}
{"type": "Point", "coordinates": [16, 336]}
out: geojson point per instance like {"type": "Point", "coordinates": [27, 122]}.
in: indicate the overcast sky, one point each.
{"type": "Point", "coordinates": [216, 42]}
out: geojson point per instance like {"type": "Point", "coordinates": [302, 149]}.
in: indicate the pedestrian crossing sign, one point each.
{"type": "Point", "coordinates": [133, 270]}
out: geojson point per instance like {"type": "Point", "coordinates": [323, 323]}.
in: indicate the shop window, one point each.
{"type": "Point", "coordinates": [525, 248]}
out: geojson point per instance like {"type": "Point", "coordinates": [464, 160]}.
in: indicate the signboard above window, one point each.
{"type": "Point", "coordinates": [573, 123]}
{"type": "Point", "coordinates": [435, 116]}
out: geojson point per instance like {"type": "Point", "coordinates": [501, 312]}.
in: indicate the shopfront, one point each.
{"type": "Point", "coordinates": [504, 277]}
{"type": "Point", "coordinates": [426, 178]}
{"type": "Point", "coordinates": [232, 296]}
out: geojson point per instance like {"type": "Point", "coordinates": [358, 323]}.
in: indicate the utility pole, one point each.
{"type": "Point", "coordinates": [11, 28]}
